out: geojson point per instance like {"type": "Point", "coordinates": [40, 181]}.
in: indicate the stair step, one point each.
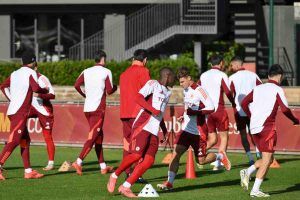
{"type": "Point", "coordinates": [248, 27]}
{"type": "Point", "coordinates": [250, 59]}
{"type": "Point", "coordinates": [244, 36]}
{"type": "Point", "coordinates": [244, 32]}
{"type": "Point", "coordinates": [245, 23]}
{"type": "Point", "coordinates": [235, 18]}
{"type": "Point", "coordinates": [244, 14]}
{"type": "Point", "coordinates": [250, 50]}
{"type": "Point", "coordinates": [245, 40]}
{"type": "Point", "coordinates": [238, 1]}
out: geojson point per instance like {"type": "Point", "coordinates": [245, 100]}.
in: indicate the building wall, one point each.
{"type": "Point", "coordinates": [5, 37]}
{"type": "Point", "coordinates": [12, 2]}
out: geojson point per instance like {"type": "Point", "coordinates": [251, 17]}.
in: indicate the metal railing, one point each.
{"type": "Point", "coordinates": [151, 25]}
{"type": "Point", "coordinates": [284, 61]}
{"type": "Point", "coordinates": [90, 45]}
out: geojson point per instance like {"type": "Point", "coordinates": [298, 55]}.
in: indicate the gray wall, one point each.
{"type": "Point", "coordinates": [284, 31]}
{"type": "Point", "coordinates": [5, 37]}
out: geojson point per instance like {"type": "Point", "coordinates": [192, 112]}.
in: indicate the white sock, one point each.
{"type": "Point", "coordinates": [28, 170]}
{"type": "Point", "coordinates": [79, 161]}
{"type": "Point", "coordinates": [256, 149]}
{"type": "Point", "coordinates": [51, 162]}
{"type": "Point", "coordinates": [251, 169]}
{"type": "Point", "coordinates": [171, 177]}
{"type": "Point", "coordinates": [257, 184]}
{"type": "Point", "coordinates": [126, 184]}
{"type": "Point", "coordinates": [114, 175]}
{"type": "Point", "coordinates": [219, 157]}
{"type": "Point", "coordinates": [102, 165]}
{"type": "Point", "coordinates": [249, 155]}
{"type": "Point", "coordinates": [218, 162]}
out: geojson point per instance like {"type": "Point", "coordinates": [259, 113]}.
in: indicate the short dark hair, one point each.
{"type": "Point", "coordinates": [183, 72]}
{"type": "Point", "coordinates": [274, 70]}
{"type": "Point", "coordinates": [237, 58]}
{"type": "Point", "coordinates": [216, 59]}
{"type": "Point", "coordinates": [28, 57]}
{"type": "Point", "coordinates": [99, 55]}
{"type": "Point", "coordinates": [140, 54]}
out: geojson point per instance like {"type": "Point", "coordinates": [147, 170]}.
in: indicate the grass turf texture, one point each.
{"type": "Point", "coordinates": [283, 183]}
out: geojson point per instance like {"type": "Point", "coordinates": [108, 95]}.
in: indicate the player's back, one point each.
{"type": "Point", "coordinates": [131, 81]}
{"type": "Point", "coordinates": [242, 82]}
{"type": "Point", "coordinates": [94, 84]}
{"type": "Point", "coordinates": [264, 106]}
{"type": "Point", "coordinates": [211, 81]}
{"type": "Point", "coordinates": [20, 90]}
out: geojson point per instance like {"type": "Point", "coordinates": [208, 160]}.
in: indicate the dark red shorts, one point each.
{"type": "Point", "coordinates": [265, 140]}
{"type": "Point", "coordinates": [218, 121]}
{"type": "Point", "coordinates": [45, 121]}
{"type": "Point", "coordinates": [242, 122]}
{"type": "Point", "coordinates": [144, 143]}
{"type": "Point", "coordinates": [127, 126]}
{"type": "Point", "coordinates": [95, 120]}
{"type": "Point", "coordinates": [187, 139]}
{"type": "Point", "coordinates": [18, 127]}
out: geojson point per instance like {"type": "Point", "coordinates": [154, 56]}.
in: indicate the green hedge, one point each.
{"type": "Point", "coordinates": [66, 72]}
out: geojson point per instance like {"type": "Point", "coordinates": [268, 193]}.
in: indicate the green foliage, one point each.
{"type": "Point", "coordinates": [65, 72]}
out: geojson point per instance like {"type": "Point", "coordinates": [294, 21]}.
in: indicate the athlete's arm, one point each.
{"type": "Point", "coordinates": [36, 88]}
{"type": "Point", "coordinates": [281, 99]}
{"type": "Point", "coordinates": [78, 83]}
{"type": "Point", "coordinates": [245, 103]}
{"type": "Point", "coordinates": [5, 88]}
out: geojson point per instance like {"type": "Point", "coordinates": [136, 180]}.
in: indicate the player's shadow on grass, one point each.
{"type": "Point", "coordinates": [21, 167]}
{"type": "Point", "coordinates": [284, 160]}
{"type": "Point", "coordinates": [207, 185]}
{"type": "Point", "coordinates": [97, 163]}
{"type": "Point", "coordinates": [293, 188]}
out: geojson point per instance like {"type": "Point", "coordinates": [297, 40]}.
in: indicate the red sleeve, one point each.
{"type": "Point", "coordinates": [78, 83]}
{"type": "Point", "coordinates": [245, 103]}
{"type": "Point", "coordinates": [48, 96]}
{"type": "Point", "coordinates": [36, 88]}
{"type": "Point", "coordinates": [227, 92]}
{"type": "Point", "coordinates": [142, 102]}
{"type": "Point", "coordinates": [232, 89]}
{"type": "Point", "coordinates": [286, 111]}
{"type": "Point", "coordinates": [199, 82]}
{"type": "Point", "coordinates": [5, 84]}
{"type": "Point", "coordinates": [144, 77]}
{"type": "Point", "coordinates": [163, 126]}
{"type": "Point", "coordinates": [110, 89]}
{"type": "Point", "coordinates": [258, 82]}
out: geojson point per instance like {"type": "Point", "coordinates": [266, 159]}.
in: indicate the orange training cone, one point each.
{"type": "Point", "coordinates": [167, 159]}
{"type": "Point", "coordinates": [275, 164]}
{"type": "Point", "coordinates": [190, 167]}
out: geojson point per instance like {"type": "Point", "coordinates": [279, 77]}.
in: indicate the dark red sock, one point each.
{"type": "Point", "coordinates": [98, 147]}
{"type": "Point", "coordinates": [49, 143]}
{"type": "Point", "coordinates": [140, 169]}
{"type": "Point", "coordinates": [127, 162]}
{"type": "Point", "coordinates": [25, 145]}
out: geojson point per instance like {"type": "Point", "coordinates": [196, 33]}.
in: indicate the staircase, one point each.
{"type": "Point", "coordinates": [153, 25]}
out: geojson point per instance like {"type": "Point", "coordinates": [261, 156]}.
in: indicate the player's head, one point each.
{"type": "Point", "coordinates": [167, 76]}
{"type": "Point", "coordinates": [28, 59]}
{"type": "Point", "coordinates": [217, 61]}
{"type": "Point", "coordinates": [140, 55]}
{"type": "Point", "coordinates": [236, 63]}
{"type": "Point", "coordinates": [100, 57]}
{"type": "Point", "coordinates": [275, 73]}
{"type": "Point", "coordinates": [184, 77]}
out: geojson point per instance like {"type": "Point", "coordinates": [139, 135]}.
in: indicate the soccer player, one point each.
{"type": "Point", "coordinates": [131, 81]}
{"type": "Point", "coordinates": [216, 83]}
{"type": "Point", "coordinates": [197, 104]}
{"type": "Point", "coordinates": [97, 81]}
{"type": "Point", "coordinates": [42, 109]}
{"type": "Point", "coordinates": [19, 88]}
{"type": "Point", "coordinates": [261, 106]}
{"type": "Point", "coordinates": [153, 99]}
{"type": "Point", "coordinates": [241, 84]}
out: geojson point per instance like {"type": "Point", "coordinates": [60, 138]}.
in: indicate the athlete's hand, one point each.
{"type": "Point", "coordinates": [180, 119]}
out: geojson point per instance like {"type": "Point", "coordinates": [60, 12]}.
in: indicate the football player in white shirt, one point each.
{"type": "Point", "coordinates": [97, 81]}
{"type": "Point", "coordinates": [261, 105]}
{"type": "Point", "coordinates": [197, 105]}
{"type": "Point", "coordinates": [153, 98]}
{"type": "Point", "coordinates": [241, 84]}
{"type": "Point", "coordinates": [41, 108]}
{"type": "Point", "coordinates": [216, 83]}
{"type": "Point", "coordinates": [18, 89]}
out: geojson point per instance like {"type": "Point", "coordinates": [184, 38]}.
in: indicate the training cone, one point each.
{"type": "Point", "coordinates": [190, 167]}
{"type": "Point", "coordinates": [275, 164]}
{"type": "Point", "coordinates": [167, 159]}
{"type": "Point", "coordinates": [148, 191]}
{"type": "Point", "coordinates": [66, 166]}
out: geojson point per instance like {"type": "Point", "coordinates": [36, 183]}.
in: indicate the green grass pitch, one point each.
{"type": "Point", "coordinates": [283, 183]}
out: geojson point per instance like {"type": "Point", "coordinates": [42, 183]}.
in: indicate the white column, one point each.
{"type": "Point", "coordinates": [5, 39]}
{"type": "Point", "coordinates": [198, 55]}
